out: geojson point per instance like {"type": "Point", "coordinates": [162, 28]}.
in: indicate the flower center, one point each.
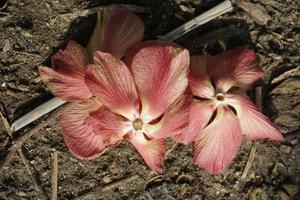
{"type": "Point", "coordinates": [220, 96]}
{"type": "Point", "coordinates": [137, 124]}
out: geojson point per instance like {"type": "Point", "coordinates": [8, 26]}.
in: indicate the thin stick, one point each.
{"type": "Point", "coordinates": [259, 103]}
{"type": "Point", "coordinates": [20, 141]}
{"type": "Point", "coordinates": [174, 146]}
{"type": "Point", "coordinates": [54, 157]}
{"type": "Point", "coordinates": [94, 10]}
{"type": "Point", "coordinates": [38, 188]}
{"type": "Point", "coordinates": [259, 97]}
{"type": "Point", "coordinates": [110, 186]}
{"type": "Point", "coordinates": [249, 161]}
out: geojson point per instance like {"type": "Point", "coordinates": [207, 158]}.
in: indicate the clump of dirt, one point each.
{"type": "Point", "coordinates": [31, 31]}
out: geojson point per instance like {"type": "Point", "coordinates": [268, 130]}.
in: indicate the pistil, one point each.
{"type": "Point", "coordinates": [220, 96]}
{"type": "Point", "coordinates": [137, 124]}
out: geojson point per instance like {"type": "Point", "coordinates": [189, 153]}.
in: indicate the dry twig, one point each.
{"type": "Point", "coordinates": [259, 103]}
{"type": "Point", "coordinates": [110, 186]}
{"type": "Point", "coordinates": [20, 141]}
{"type": "Point", "coordinates": [94, 10]}
{"type": "Point", "coordinates": [38, 188]}
{"type": "Point", "coordinates": [54, 157]}
{"type": "Point", "coordinates": [171, 149]}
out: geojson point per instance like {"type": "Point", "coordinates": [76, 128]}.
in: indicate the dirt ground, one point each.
{"type": "Point", "coordinates": [31, 31]}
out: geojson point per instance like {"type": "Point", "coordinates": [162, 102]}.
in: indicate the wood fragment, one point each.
{"type": "Point", "coordinates": [37, 187]}
{"type": "Point", "coordinates": [259, 103]}
{"type": "Point", "coordinates": [171, 149]}
{"type": "Point", "coordinates": [54, 161]}
{"type": "Point", "coordinates": [6, 124]}
{"type": "Point", "coordinates": [259, 97]}
{"type": "Point", "coordinates": [288, 74]}
{"type": "Point", "coordinates": [118, 183]}
{"type": "Point", "coordinates": [94, 10]}
{"type": "Point", "coordinates": [20, 141]}
{"type": "Point", "coordinates": [249, 161]}
{"type": "Point", "coordinates": [256, 11]}
{"type": "Point", "coordinates": [110, 186]}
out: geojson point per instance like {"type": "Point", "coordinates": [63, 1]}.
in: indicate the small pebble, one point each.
{"type": "Point", "coordinates": [295, 141]}
{"type": "Point", "coordinates": [7, 46]}
{"type": "Point", "coordinates": [107, 179]}
{"type": "Point", "coordinates": [285, 149]}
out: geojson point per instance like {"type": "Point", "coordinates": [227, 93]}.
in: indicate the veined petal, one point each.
{"type": "Point", "coordinates": [199, 79]}
{"type": "Point", "coordinates": [234, 68]}
{"type": "Point", "coordinates": [66, 79]}
{"type": "Point", "coordinates": [160, 71]}
{"type": "Point", "coordinates": [217, 144]}
{"type": "Point", "coordinates": [81, 139]}
{"type": "Point", "coordinates": [253, 123]}
{"type": "Point", "coordinates": [199, 116]}
{"type": "Point", "coordinates": [110, 126]}
{"type": "Point", "coordinates": [112, 83]}
{"type": "Point", "coordinates": [116, 30]}
{"type": "Point", "coordinates": [152, 151]}
{"type": "Point", "coordinates": [174, 121]}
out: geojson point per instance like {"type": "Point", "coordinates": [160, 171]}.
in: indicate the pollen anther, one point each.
{"type": "Point", "coordinates": [137, 124]}
{"type": "Point", "coordinates": [220, 97]}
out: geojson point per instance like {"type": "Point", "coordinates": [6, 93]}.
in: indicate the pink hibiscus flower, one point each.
{"type": "Point", "coordinates": [116, 31]}
{"type": "Point", "coordinates": [221, 113]}
{"type": "Point", "coordinates": [66, 79]}
{"type": "Point", "coordinates": [144, 102]}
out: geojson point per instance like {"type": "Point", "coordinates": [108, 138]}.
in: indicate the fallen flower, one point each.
{"type": "Point", "coordinates": [142, 102]}
{"type": "Point", "coordinates": [221, 113]}
{"type": "Point", "coordinates": [116, 30]}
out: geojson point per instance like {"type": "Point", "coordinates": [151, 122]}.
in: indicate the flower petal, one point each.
{"type": "Point", "coordinates": [152, 151]}
{"type": "Point", "coordinates": [253, 123]}
{"type": "Point", "coordinates": [66, 80]}
{"type": "Point", "coordinates": [217, 144]}
{"type": "Point", "coordinates": [234, 68]}
{"type": "Point", "coordinates": [199, 79]}
{"type": "Point", "coordinates": [199, 116]}
{"type": "Point", "coordinates": [80, 138]}
{"type": "Point", "coordinates": [174, 120]}
{"type": "Point", "coordinates": [112, 83]}
{"type": "Point", "coordinates": [110, 126]}
{"type": "Point", "coordinates": [160, 71]}
{"type": "Point", "coordinates": [116, 30]}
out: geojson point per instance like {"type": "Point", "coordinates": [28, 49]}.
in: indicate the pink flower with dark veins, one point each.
{"type": "Point", "coordinates": [221, 112]}
{"type": "Point", "coordinates": [116, 31]}
{"type": "Point", "coordinates": [144, 101]}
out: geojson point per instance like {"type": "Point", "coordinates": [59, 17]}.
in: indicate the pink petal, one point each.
{"type": "Point", "coordinates": [217, 144]}
{"type": "Point", "coordinates": [110, 126]}
{"type": "Point", "coordinates": [66, 80]}
{"type": "Point", "coordinates": [111, 82]}
{"type": "Point", "coordinates": [81, 139]}
{"type": "Point", "coordinates": [253, 123]}
{"type": "Point", "coordinates": [117, 29]}
{"type": "Point", "coordinates": [199, 80]}
{"type": "Point", "coordinates": [234, 68]}
{"type": "Point", "coordinates": [152, 151]}
{"type": "Point", "coordinates": [174, 120]}
{"type": "Point", "coordinates": [160, 71]}
{"type": "Point", "coordinates": [199, 116]}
